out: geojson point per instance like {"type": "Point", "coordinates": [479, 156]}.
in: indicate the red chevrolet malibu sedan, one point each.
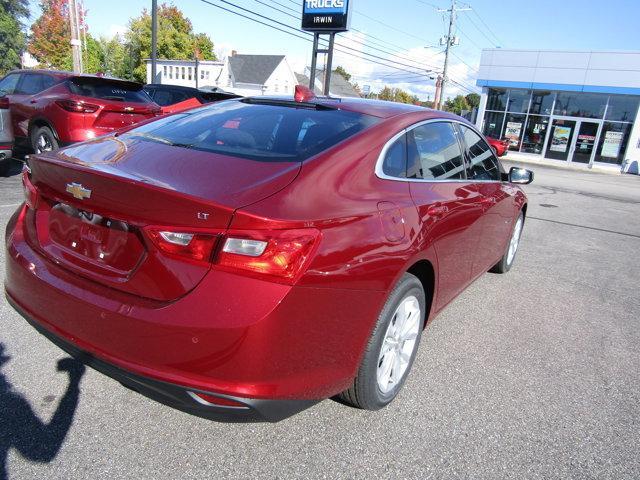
{"type": "Point", "coordinates": [244, 260]}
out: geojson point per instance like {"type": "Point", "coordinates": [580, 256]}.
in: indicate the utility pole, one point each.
{"type": "Point", "coordinates": [154, 39]}
{"type": "Point", "coordinates": [451, 41]}
{"type": "Point", "coordinates": [76, 44]}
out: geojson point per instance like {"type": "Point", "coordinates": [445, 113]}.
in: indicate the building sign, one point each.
{"type": "Point", "coordinates": [560, 140]}
{"type": "Point", "coordinates": [512, 133]}
{"type": "Point", "coordinates": [326, 15]}
{"type": "Point", "coordinates": [612, 144]}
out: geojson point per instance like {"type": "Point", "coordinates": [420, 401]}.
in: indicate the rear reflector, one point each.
{"type": "Point", "coordinates": [4, 103]}
{"type": "Point", "coordinates": [213, 400]}
{"type": "Point", "coordinates": [77, 107]}
{"type": "Point", "coordinates": [192, 246]}
{"type": "Point", "coordinates": [30, 192]}
{"type": "Point", "coordinates": [280, 255]}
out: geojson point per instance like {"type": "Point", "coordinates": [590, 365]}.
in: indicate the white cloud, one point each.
{"type": "Point", "coordinates": [418, 59]}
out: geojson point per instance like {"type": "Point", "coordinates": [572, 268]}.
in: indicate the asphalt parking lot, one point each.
{"type": "Point", "coordinates": [533, 374]}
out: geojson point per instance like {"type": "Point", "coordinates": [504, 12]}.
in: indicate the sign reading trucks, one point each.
{"type": "Point", "coordinates": [325, 15]}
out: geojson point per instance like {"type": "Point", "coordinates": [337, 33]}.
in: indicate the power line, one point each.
{"type": "Point", "coordinates": [491, 42]}
{"type": "Point", "coordinates": [384, 51]}
{"type": "Point", "coordinates": [487, 26]}
{"type": "Point", "coordinates": [391, 64]}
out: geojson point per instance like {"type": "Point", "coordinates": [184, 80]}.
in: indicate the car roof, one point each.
{"type": "Point", "coordinates": [376, 108]}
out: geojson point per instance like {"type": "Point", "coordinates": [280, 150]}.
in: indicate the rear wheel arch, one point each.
{"type": "Point", "coordinates": [42, 122]}
{"type": "Point", "coordinates": [424, 270]}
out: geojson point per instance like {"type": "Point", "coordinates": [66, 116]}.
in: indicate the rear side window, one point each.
{"type": "Point", "coordinates": [31, 84]}
{"type": "Point", "coordinates": [8, 84]}
{"type": "Point", "coordinates": [395, 160]}
{"type": "Point", "coordinates": [483, 165]}
{"type": "Point", "coordinates": [434, 152]}
{"type": "Point", "coordinates": [257, 131]}
{"type": "Point", "coordinates": [106, 89]}
{"type": "Point", "coordinates": [169, 97]}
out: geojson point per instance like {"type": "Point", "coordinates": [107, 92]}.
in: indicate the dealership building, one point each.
{"type": "Point", "coordinates": [565, 106]}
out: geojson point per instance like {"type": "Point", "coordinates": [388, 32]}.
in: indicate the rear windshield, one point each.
{"type": "Point", "coordinates": [109, 90]}
{"type": "Point", "coordinates": [257, 131]}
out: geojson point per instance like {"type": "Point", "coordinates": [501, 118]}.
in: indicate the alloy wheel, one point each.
{"type": "Point", "coordinates": [398, 344]}
{"type": "Point", "coordinates": [515, 241]}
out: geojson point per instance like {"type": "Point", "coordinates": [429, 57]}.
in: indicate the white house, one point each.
{"type": "Point", "coordinates": [246, 75]}
{"type": "Point", "coordinates": [185, 72]}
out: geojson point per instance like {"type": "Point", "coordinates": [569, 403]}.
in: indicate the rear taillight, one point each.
{"type": "Point", "coordinates": [278, 254]}
{"type": "Point", "coordinates": [192, 246]}
{"type": "Point", "coordinates": [77, 106]}
{"type": "Point", "coordinates": [4, 103]}
{"type": "Point", "coordinates": [30, 192]}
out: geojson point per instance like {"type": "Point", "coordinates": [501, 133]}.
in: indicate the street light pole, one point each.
{"type": "Point", "coordinates": [154, 38]}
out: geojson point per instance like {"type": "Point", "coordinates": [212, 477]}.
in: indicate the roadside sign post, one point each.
{"type": "Point", "coordinates": [325, 17]}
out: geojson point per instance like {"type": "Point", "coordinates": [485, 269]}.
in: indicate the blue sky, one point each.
{"type": "Point", "coordinates": [404, 28]}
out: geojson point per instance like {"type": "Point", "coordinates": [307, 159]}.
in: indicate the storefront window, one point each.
{"type": "Point", "coordinates": [497, 99]}
{"type": "Point", "coordinates": [574, 104]}
{"type": "Point", "coordinates": [534, 134]}
{"type": "Point", "coordinates": [622, 108]}
{"type": "Point", "coordinates": [613, 142]}
{"type": "Point", "coordinates": [541, 102]}
{"type": "Point", "coordinates": [493, 124]}
{"type": "Point", "coordinates": [519, 101]}
{"type": "Point", "coordinates": [513, 129]}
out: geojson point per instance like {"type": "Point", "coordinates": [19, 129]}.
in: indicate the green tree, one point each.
{"type": "Point", "coordinates": [342, 72]}
{"type": "Point", "coordinates": [176, 39]}
{"type": "Point", "coordinates": [397, 95]}
{"type": "Point", "coordinates": [50, 37]}
{"type": "Point", "coordinates": [457, 105]}
{"type": "Point", "coordinates": [473, 100]}
{"type": "Point", "coordinates": [12, 39]}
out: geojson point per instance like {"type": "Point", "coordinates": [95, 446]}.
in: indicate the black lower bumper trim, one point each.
{"type": "Point", "coordinates": [177, 396]}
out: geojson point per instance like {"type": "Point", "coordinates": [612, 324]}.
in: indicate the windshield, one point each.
{"type": "Point", "coordinates": [256, 131]}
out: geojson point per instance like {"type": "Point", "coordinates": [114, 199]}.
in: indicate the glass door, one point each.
{"type": "Point", "coordinates": [586, 141]}
{"type": "Point", "coordinates": [561, 139]}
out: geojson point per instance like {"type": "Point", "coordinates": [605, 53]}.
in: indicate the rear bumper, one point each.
{"type": "Point", "coordinates": [176, 396]}
{"type": "Point", "coordinates": [272, 347]}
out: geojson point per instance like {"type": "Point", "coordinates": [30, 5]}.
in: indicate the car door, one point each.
{"type": "Point", "coordinates": [496, 201]}
{"type": "Point", "coordinates": [23, 104]}
{"type": "Point", "coordinates": [448, 206]}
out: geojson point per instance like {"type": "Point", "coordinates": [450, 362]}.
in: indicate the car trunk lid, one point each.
{"type": "Point", "coordinates": [97, 200]}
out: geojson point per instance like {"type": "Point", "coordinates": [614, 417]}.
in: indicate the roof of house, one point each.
{"type": "Point", "coordinates": [253, 69]}
{"type": "Point", "coordinates": [339, 86]}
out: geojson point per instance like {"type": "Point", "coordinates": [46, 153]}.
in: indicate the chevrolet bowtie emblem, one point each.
{"type": "Point", "coordinates": [78, 191]}
{"type": "Point", "coordinates": [128, 109]}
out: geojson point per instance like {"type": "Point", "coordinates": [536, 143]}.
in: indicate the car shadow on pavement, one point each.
{"type": "Point", "coordinates": [23, 430]}
{"type": "Point", "coordinates": [10, 168]}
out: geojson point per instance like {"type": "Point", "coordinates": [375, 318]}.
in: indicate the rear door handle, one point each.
{"type": "Point", "coordinates": [437, 211]}
{"type": "Point", "coordinates": [33, 101]}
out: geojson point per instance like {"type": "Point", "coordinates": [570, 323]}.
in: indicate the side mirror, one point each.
{"type": "Point", "coordinates": [520, 176]}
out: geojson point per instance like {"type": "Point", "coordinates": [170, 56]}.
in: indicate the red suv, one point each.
{"type": "Point", "coordinates": [246, 259]}
{"type": "Point", "coordinates": [50, 109]}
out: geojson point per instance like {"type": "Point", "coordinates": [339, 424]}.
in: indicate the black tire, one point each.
{"type": "Point", "coordinates": [364, 392]}
{"type": "Point", "coordinates": [505, 264]}
{"type": "Point", "coordinates": [495, 151]}
{"type": "Point", "coordinates": [51, 143]}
